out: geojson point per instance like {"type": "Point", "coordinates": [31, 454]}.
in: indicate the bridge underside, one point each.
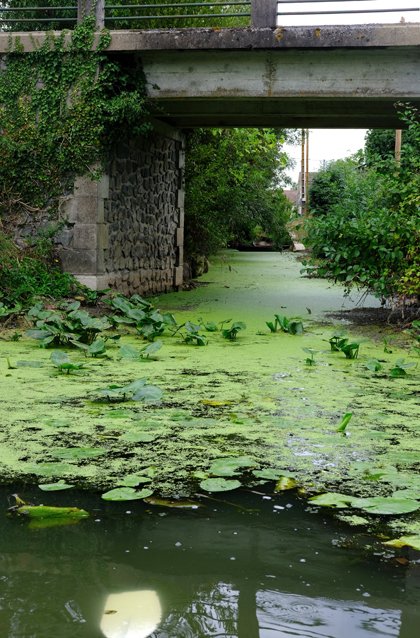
{"type": "Point", "coordinates": [299, 112]}
{"type": "Point", "coordinates": [314, 88]}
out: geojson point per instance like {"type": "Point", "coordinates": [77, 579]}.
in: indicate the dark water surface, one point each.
{"type": "Point", "coordinates": [256, 567]}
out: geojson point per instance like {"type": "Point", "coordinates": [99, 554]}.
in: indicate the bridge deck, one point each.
{"type": "Point", "coordinates": [331, 76]}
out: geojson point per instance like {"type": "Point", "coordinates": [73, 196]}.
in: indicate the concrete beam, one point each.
{"type": "Point", "coordinates": [320, 37]}
{"type": "Point", "coordinates": [341, 88]}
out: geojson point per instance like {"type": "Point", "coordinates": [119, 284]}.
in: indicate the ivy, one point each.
{"type": "Point", "coordinates": [60, 106]}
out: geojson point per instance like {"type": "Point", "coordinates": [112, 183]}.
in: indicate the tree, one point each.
{"type": "Point", "coordinates": [369, 236]}
{"type": "Point", "coordinates": [233, 187]}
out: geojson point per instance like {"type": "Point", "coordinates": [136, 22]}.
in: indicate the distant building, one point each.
{"type": "Point", "coordinates": [292, 196]}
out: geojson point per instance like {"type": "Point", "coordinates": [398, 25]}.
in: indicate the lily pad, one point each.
{"type": "Point", "coordinates": [77, 453]}
{"type": "Point", "coordinates": [132, 480]}
{"type": "Point", "coordinates": [219, 485]}
{"type": "Point", "coordinates": [386, 505]}
{"type": "Point", "coordinates": [55, 487]}
{"type": "Point", "coordinates": [332, 499]}
{"type": "Point", "coordinates": [405, 541]}
{"type": "Point", "coordinates": [285, 483]}
{"type": "Point", "coordinates": [126, 494]}
{"type": "Point", "coordinates": [173, 503]}
{"type": "Point", "coordinates": [409, 492]}
{"type": "Point", "coordinates": [139, 437]}
{"type": "Point", "coordinates": [229, 465]}
{"type": "Point", "coordinates": [271, 475]}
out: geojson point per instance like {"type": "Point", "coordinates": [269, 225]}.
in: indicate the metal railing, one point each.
{"type": "Point", "coordinates": [172, 13]}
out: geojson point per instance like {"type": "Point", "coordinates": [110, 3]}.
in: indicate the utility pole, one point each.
{"type": "Point", "coordinates": [307, 174]}
{"type": "Point", "coordinates": [398, 140]}
{"type": "Point", "coordinates": [302, 174]}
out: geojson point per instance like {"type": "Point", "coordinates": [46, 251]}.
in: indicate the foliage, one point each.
{"type": "Point", "coordinates": [192, 334]}
{"type": "Point", "coordinates": [148, 321]}
{"type": "Point", "coordinates": [310, 361]}
{"type": "Point", "coordinates": [62, 361]}
{"type": "Point", "coordinates": [281, 322]}
{"type": "Point", "coordinates": [126, 494]}
{"type": "Point", "coordinates": [25, 274]}
{"type": "Point", "coordinates": [138, 390]}
{"type": "Point", "coordinates": [69, 326]}
{"type": "Point", "coordinates": [231, 332]}
{"type": "Point", "coordinates": [59, 107]}
{"type": "Point", "coordinates": [344, 422]}
{"type": "Point", "coordinates": [168, 21]}
{"type": "Point", "coordinates": [367, 236]}
{"type": "Point", "coordinates": [382, 505]}
{"type": "Point", "coordinates": [232, 187]}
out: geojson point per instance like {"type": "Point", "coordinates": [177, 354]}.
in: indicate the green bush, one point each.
{"type": "Point", "coordinates": [368, 236]}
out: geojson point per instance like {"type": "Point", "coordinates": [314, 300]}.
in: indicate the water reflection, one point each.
{"type": "Point", "coordinates": [218, 572]}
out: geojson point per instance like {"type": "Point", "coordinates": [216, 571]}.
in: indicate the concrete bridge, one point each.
{"type": "Point", "coordinates": [263, 75]}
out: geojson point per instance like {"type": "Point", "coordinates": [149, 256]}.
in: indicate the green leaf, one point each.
{"type": "Point", "coordinates": [271, 474]}
{"type": "Point", "coordinates": [285, 483]}
{"type": "Point", "coordinates": [55, 487]}
{"type": "Point", "coordinates": [373, 365]}
{"type": "Point", "coordinates": [77, 453]}
{"type": "Point", "coordinates": [229, 466]}
{"type": "Point", "coordinates": [132, 480]}
{"type": "Point", "coordinates": [45, 511]}
{"type": "Point", "coordinates": [219, 485]}
{"type": "Point", "coordinates": [139, 437]}
{"type": "Point", "coordinates": [126, 494]}
{"type": "Point", "coordinates": [386, 505]}
{"type": "Point", "coordinates": [128, 352]}
{"type": "Point", "coordinates": [344, 422]}
{"type": "Point", "coordinates": [405, 541]}
{"type": "Point", "coordinates": [150, 349]}
{"type": "Point", "coordinates": [148, 394]}
{"type": "Point", "coordinates": [332, 499]}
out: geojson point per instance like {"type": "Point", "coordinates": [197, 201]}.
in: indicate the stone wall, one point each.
{"type": "Point", "coordinates": [125, 231]}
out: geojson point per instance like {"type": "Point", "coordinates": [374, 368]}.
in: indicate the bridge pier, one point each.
{"type": "Point", "coordinates": [126, 229]}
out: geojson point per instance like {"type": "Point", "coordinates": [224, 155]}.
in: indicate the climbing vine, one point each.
{"type": "Point", "coordinates": [59, 107]}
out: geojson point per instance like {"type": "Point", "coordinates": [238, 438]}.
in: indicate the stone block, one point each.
{"type": "Point", "coordinates": [85, 236]}
{"type": "Point", "coordinates": [85, 187]}
{"type": "Point", "coordinates": [180, 198]}
{"type": "Point", "coordinates": [178, 276]}
{"type": "Point", "coordinates": [79, 262]}
{"type": "Point", "coordinates": [179, 236]}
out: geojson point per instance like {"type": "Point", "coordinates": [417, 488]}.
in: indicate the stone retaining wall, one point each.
{"type": "Point", "coordinates": [125, 231]}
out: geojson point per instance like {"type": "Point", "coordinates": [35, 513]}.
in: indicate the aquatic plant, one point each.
{"type": "Point", "coordinates": [344, 422]}
{"type": "Point", "coordinates": [400, 367]}
{"type": "Point", "coordinates": [231, 332]}
{"type": "Point", "coordinates": [192, 335]}
{"type": "Point", "coordinates": [282, 323]}
{"type": "Point", "coordinates": [62, 362]}
{"type": "Point", "coordinates": [138, 390]}
{"type": "Point", "coordinates": [68, 326]}
{"type": "Point", "coordinates": [310, 361]}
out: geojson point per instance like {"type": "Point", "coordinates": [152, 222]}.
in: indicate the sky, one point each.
{"type": "Point", "coordinates": [329, 144]}
{"type": "Point", "coordinates": [325, 145]}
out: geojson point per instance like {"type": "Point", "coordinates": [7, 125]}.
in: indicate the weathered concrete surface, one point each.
{"type": "Point", "coordinates": [321, 37]}
{"type": "Point", "coordinates": [332, 76]}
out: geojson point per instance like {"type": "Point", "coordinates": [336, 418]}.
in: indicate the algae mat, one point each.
{"type": "Point", "coordinates": [254, 397]}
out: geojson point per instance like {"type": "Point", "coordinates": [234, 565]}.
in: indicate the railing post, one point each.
{"type": "Point", "coordinates": [263, 14]}
{"type": "Point", "coordinates": [97, 7]}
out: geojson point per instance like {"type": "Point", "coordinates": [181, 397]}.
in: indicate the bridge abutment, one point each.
{"type": "Point", "coordinates": [126, 229]}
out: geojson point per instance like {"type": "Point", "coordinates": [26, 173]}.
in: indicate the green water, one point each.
{"type": "Point", "coordinates": [257, 566]}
